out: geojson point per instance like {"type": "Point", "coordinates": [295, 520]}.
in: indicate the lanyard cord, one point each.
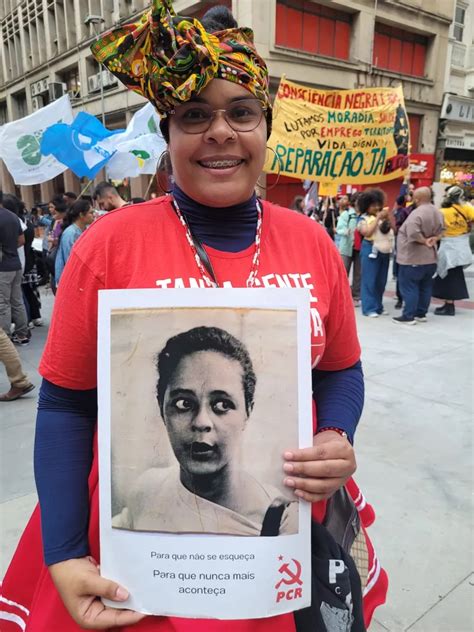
{"type": "Point", "coordinates": [202, 258]}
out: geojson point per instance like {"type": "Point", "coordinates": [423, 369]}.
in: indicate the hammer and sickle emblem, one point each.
{"type": "Point", "coordinates": [291, 577]}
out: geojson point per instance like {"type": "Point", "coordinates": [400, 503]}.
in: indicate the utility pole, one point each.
{"type": "Point", "coordinates": [96, 21]}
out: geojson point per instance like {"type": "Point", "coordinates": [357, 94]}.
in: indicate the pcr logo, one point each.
{"type": "Point", "coordinates": [291, 576]}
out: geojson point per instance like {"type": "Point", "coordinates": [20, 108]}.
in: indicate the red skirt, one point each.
{"type": "Point", "coordinates": [29, 600]}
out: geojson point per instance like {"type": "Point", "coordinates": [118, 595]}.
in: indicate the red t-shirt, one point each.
{"type": "Point", "coordinates": [145, 246]}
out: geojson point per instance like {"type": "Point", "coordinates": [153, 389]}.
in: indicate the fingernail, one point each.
{"type": "Point", "coordinates": [121, 594]}
{"type": "Point", "coordinates": [298, 493]}
{"type": "Point", "coordinates": [289, 482]}
{"type": "Point", "coordinates": [288, 467]}
{"type": "Point", "coordinates": [288, 456]}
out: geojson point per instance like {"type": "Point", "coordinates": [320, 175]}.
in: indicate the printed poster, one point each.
{"type": "Point", "coordinates": [347, 136]}
{"type": "Point", "coordinates": [200, 394]}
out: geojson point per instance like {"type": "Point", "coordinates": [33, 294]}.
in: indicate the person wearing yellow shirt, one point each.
{"type": "Point", "coordinates": [454, 252]}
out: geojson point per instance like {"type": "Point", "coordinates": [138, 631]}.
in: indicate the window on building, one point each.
{"type": "Point", "coordinates": [313, 28]}
{"type": "Point", "coordinates": [19, 105]}
{"type": "Point", "coordinates": [400, 51]}
{"type": "Point", "coordinates": [458, 27]}
{"type": "Point", "coordinates": [3, 113]}
{"type": "Point", "coordinates": [72, 80]}
{"type": "Point", "coordinates": [414, 122]}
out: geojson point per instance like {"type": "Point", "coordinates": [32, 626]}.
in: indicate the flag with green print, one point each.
{"type": "Point", "coordinates": [138, 148]}
{"type": "Point", "coordinates": [20, 143]}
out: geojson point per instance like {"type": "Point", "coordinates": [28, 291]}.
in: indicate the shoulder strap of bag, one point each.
{"type": "Point", "coordinates": [272, 520]}
{"type": "Point", "coordinates": [461, 213]}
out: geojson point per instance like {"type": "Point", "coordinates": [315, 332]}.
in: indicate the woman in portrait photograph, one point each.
{"type": "Point", "coordinates": [205, 391]}
{"type": "Point", "coordinates": [211, 88]}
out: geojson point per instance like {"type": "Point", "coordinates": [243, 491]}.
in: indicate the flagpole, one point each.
{"type": "Point", "coordinates": [85, 188]}
{"type": "Point", "coordinates": [149, 186]}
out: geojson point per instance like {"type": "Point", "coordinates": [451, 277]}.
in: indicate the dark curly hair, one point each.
{"type": "Point", "coordinates": [204, 339]}
{"type": "Point", "coordinates": [369, 197]}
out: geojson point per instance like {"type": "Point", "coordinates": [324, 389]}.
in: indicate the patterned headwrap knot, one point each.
{"type": "Point", "coordinates": [169, 59]}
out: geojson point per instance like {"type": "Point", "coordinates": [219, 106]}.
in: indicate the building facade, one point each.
{"type": "Point", "coordinates": [455, 164]}
{"type": "Point", "coordinates": [337, 44]}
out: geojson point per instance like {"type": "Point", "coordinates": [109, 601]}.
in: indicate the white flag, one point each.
{"type": "Point", "coordinates": [138, 148]}
{"type": "Point", "coordinates": [20, 144]}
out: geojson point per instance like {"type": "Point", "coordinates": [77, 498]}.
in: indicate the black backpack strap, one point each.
{"type": "Point", "coordinates": [272, 520]}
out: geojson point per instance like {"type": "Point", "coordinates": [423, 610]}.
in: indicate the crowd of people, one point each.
{"type": "Point", "coordinates": [429, 247]}
{"type": "Point", "coordinates": [35, 246]}
{"type": "Point", "coordinates": [428, 259]}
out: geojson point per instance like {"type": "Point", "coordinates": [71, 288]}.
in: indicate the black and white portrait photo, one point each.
{"type": "Point", "coordinates": [203, 406]}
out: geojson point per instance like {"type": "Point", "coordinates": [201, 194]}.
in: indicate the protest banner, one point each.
{"type": "Point", "coordinates": [346, 136]}
{"type": "Point", "coordinates": [200, 394]}
{"type": "Point", "coordinates": [20, 143]}
{"type": "Point", "coordinates": [328, 189]}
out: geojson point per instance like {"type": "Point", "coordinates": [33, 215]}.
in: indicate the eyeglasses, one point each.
{"type": "Point", "coordinates": [196, 118]}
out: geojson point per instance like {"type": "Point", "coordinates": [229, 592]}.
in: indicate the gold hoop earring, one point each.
{"type": "Point", "coordinates": [280, 165]}
{"type": "Point", "coordinates": [164, 167]}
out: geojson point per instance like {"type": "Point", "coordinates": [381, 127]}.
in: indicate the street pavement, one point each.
{"type": "Point", "coordinates": [414, 450]}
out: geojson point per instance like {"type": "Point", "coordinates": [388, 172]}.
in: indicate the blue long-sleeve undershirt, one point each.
{"type": "Point", "coordinates": [65, 426]}
{"type": "Point", "coordinates": [63, 451]}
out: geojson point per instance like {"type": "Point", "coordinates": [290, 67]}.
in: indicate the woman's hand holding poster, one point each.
{"type": "Point", "coordinates": [200, 395]}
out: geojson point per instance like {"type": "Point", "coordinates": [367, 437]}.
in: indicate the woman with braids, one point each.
{"type": "Point", "coordinates": [211, 89]}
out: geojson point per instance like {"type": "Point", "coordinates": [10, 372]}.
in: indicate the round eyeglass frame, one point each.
{"type": "Point", "coordinates": [263, 111]}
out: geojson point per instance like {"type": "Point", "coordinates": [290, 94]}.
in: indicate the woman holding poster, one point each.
{"type": "Point", "coordinates": [211, 90]}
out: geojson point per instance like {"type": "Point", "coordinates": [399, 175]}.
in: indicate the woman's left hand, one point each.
{"type": "Point", "coordinates": [316, 473]}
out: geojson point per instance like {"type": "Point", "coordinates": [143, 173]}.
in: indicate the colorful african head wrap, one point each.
{"type": "Point", "coordinates": [169, 59]}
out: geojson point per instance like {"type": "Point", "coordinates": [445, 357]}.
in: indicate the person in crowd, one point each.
{"type": "Point", "coordinates": [374, 269]}
{"type": "Point", "coordinates": [298, 204]}
{"type": "Point", "coordinates": [16, 206]}
{"type": "Point", "coordinates": [217, 149]}
{"type": "Point", "coordinates": [416, 257]}
{"type": "Point", "coordinates": [30, 280]}
{"type": "Point", "coordinates": [107, 197]}
{"type": "Point", "coordinates": [12, 307]}
{"type": "Point", "coordinates": [329, 216]}
{"type": "Point", "coordinates": [70, 197]}
{"type": "Point", "coordinates": [79, 216]}
{"type": "Point", "coordinates": [347, 230]}
{"type": "Point", "coordinates": [137, 200]}
{"type": "Point", "coordinates": [19, 383]}
{"type": "Point", "coordinates": [454, 252]}
{"type": "Point", "coordinates": [45, 222]}
{"type": "Point", "coordinates": [58, 209]}
{"type": "Point", "coordinates": [205, 391]}
{"type": "Point", "coordinates": [34, 216]}
{"type": "Point", "coordinates": [400, 213]}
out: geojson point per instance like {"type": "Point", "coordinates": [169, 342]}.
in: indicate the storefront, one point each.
{"type": "Point", "coordinates": [456, 143]}
{"type": "Point", "coordinates": [459, 173]}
